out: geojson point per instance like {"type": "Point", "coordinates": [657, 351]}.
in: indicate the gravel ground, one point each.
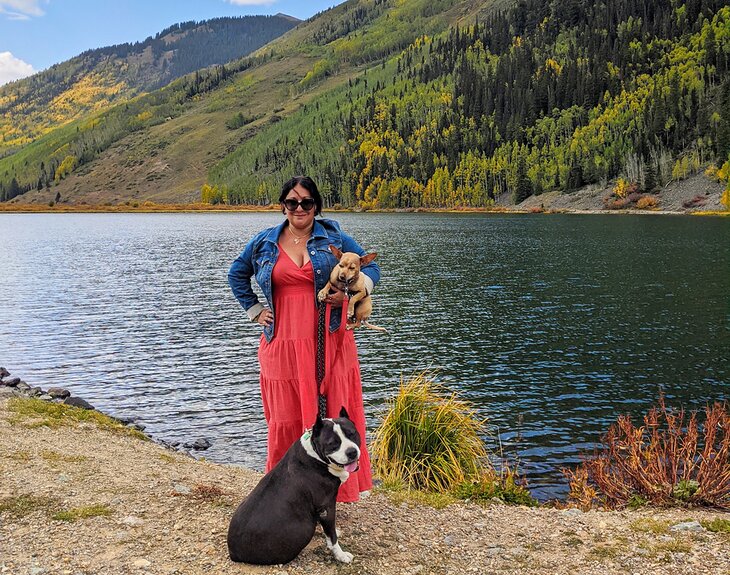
{"type": "Point", "coordinates": [169, 513]}
{"type": "Point", "coordinates": [672, 198]}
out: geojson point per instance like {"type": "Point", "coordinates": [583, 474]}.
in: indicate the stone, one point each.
{"type": "Point", "coordinates": [78, 402]}
{"type": "Point", "coordinates": [691, 526]}
{"type": "Point", "coordinates": [6, 391]}
{"type": "Point", "coordinates": [181, 489]}
{"type": "Point", "coordinates": [58, 392]}
{"type": "Point", "coordinates": [45, 397]}
{"type": "Point", "coordinates": [23, 387]}
{"type": "Point", "coordinates": [35, 391]}
{"type": "Point", "coordinates": [133, 521]}
{"type": "Point", "coordinates": [11, 381]}
{"type": "Point", "coordinates": [200, 444]}
{"type": "Point", "coordinates": [137, 426]}
{"type": "Point", "coordinates": [141, 563]}
{"type": "Point", "coordinates": [4, 372]}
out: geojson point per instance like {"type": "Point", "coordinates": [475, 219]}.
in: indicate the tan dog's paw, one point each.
{"type": "Point", "coordinates": [322, 295]}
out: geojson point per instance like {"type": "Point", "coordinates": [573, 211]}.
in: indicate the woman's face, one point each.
{"type": "Point", "coordinates": [299, 218]}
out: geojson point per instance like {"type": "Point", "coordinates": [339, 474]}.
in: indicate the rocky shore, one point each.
{"type": "Point", "coordinates": [78, 498]}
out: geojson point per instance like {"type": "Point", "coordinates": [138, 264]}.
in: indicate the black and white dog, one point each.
{"type": "Point", "coordinates": [278, 518]}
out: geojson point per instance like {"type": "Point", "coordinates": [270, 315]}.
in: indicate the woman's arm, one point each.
{"type": "Point", "coordinates": [239, 278]}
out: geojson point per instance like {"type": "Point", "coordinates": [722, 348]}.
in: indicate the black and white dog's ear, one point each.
{"type": "Point", "coordinates": [317, 427]}
{"type": "Point", "coordinates": [343, 412]}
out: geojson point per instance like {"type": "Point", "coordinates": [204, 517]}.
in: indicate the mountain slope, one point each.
{"type": "Point", "coordinates": [410, 103]}
{"type": "Point", "coordinates": [160, 145]}
{"type": "Point", "coordinates": [547, 96]}
{"type": "Point", "coordinates": [98, 78]}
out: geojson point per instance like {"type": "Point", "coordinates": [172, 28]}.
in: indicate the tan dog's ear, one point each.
{"type": "Point", "coordinates": [338, 253]}
{"type": "Point", "coordinates": [367, 258]}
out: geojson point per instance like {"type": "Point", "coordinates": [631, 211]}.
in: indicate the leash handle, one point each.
{"type": "Point", "coordinates": [320, 365]}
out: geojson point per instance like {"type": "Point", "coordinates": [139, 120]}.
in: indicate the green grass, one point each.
{"type": "Point", "coordinates": [648, 525]}
{"type": "Point", "coordinates": [429, 440]}
{"type": "Point", "coordinates": [55, 457]}
{"type": "Point", "coordinates": [38, 413]}
{"type": "Point", "coordinates": [23, 505]}
{"type": "Point", "coordinates": [429, 449]}
{"type": "Point", "coordinates": [77, 513]}
{"type": "Point", "coordinates": [717, 525]}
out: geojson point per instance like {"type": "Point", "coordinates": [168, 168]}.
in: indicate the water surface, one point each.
{"type": "Point", "coordinates": [550, 325]}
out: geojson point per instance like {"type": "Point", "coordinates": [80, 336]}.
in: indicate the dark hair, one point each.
{"type": "Point", "coordinates": [308, 184]}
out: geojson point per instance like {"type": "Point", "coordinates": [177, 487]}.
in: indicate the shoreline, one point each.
{"type": "Point", "coordinates": [204, 208]}
{"type": "Point", "coordinates": [82, 499]}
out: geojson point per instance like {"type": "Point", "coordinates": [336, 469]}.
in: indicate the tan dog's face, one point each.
{"type": "Point", "coordinates": [348, 268]}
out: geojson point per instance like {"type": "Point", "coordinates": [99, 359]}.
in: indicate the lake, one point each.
{"type": "Point", "coordinates": [551, 325]}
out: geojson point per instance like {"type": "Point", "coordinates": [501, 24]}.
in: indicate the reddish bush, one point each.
{"type": "Point", "coordinates": [669, 460]}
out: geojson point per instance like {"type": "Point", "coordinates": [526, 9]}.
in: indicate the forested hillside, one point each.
{"type": "Point", "coordinates": [97, 78]}
{"type": "Point", "coordinates": [160, 145]}
{"type": "Point", "coordinates": [544, 96]}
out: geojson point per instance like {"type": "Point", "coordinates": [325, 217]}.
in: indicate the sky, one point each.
{"type": "Point", "coordinates": [35, 34]}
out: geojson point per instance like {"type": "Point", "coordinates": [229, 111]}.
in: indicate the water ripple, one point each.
{"type": "Point", "coordinates": [546, 324]}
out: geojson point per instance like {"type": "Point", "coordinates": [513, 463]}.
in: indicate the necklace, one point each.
{"type": "Point", "coordinates": [297, 238]}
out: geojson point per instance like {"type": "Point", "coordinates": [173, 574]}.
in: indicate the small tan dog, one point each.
{"type": "Point", "coordinates": [345, 277]}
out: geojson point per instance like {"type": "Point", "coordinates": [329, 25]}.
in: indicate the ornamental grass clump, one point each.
{"type": "Point", "coordinates": [429, 440]}
{"type": "Point", "coordinates": [671, 459]}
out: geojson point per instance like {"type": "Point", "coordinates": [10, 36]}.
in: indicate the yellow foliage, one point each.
{"type": "Point", "coordinates": [144, 116]}
{"type": "Point", "coordinates": [551, 64]}
{"type": "Point", "coordinates": [65, 167]}
{"type": "Point", "coordinates": [622, 188]}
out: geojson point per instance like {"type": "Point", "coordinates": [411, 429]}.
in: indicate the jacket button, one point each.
{"type": "Point", "coordinates": [319, 271]}
{"type": "Point", "coordinates": [313, 252]}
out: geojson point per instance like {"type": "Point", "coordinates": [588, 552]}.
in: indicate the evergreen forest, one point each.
{"type": "Point", "coordinates": [543, 96]}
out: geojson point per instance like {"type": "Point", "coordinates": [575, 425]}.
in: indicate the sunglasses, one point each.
{"type": "Point", "coordinates": [292, 204]}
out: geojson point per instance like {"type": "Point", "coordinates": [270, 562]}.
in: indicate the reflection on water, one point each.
{"type": "Point", "coordinates": [550, 325]}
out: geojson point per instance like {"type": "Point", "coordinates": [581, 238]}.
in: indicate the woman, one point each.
{"type": "Point", "coordinates": [291, 263]}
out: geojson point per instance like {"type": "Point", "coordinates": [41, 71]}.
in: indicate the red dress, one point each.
{"type": "Point", "coordinates": [288, 371]}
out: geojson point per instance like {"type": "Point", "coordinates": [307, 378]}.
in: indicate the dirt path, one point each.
{"type": "Point", "coordinates": [160, 512]}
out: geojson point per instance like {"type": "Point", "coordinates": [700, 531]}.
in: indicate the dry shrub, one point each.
{"type": "Point", "coordinates": [695, 202]}
{"type": "Point", "coordinates": [671, 459]}
{"type": "Point", "coordinates": [611, 203]}
{"type": "Point", "coordinates": [647, 203]}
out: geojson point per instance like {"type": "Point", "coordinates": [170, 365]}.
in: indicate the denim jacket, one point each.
{"type": "Point", "coordinates": [261, 253]}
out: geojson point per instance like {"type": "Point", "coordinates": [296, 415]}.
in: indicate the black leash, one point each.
{"type": "Point", "coordinates": [322, 399]}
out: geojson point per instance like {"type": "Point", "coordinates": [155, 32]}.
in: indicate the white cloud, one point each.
{"type": "Point", "coordinates": [21, 9]}
{"type": "Point", "coordinates": [252, 2]}
{"type": "Point", "coordinates": [12, 68]}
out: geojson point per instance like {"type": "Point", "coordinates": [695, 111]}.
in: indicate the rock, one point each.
{"type": "Point", "coordinates": [59, 393]}
{"type": "Point", "coordinates": [141, 563]}
{"type": "Point", "coordinates": [78, 402]}
{"type": "Point", "coordinates": [35, 392]}
{"type": "Point", "coordinates": [6, 391]}
{"type": "Point", "coordinates": [45, 397]}
{"type": "Point", "coordinates": [137, 426]}
{"type": "Point", "coordinates": [23, 387]}
{"type": "Point", "coordinates": [4, 372]}
{"type": "Point", "coordinates": [181, 489]}
{"type": "Point", "coordinates": [573, 512]}
{"type": "Point", "coordinates": [199, 444]}
{"type": "Point", "coordinates": [133, 521]}
{"type": "Point", "coordinates": [691, 526]}
{"type": "Point", "coordinates": [12, 381]}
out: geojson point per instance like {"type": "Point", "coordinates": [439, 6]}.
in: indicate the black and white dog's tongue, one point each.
{"type": "Point", "coordinates": [352, 467]}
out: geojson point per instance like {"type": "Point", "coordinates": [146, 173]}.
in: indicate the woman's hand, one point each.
{"type": "Point", "coordinates": [265, 318]}
{"type": "Point", "coordinates": [335, 299]}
